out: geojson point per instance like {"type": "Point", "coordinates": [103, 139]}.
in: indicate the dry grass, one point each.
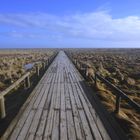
{"type": "Point", "coordinates": [121, 67]}
{"type": "Point", "coordinates": [128, 119]}
{"type": "Point", "coordinates": [13, 61]}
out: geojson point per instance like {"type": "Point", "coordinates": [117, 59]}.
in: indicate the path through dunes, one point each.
{"type": "Point", "coordinates": [59, 108]}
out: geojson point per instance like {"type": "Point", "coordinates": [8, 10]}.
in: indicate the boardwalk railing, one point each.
{"type": "Point", "coordinates": [26, 79]}
{"type": "Point", "coordinates": [120, 95]}
{"type": "Point", "coordinates": [6, 91]}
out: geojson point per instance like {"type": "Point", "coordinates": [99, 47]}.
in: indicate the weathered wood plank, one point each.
{"type": "Point", "coordinates": [50, 119]}
{"type": "Point", "coordinates": [71, 127]}
{"type": "Point", "coordinates": [36, 119]}
{"type": "Point", "coordinates": [96, 118]}
{"type": "Point", "coordinates": [22, 120]}
{"type": "Point", "coordinates": [63, 125]}
{"type": "Point", "coordinates": [85, 125]}
{"type": "Point", "coordinates": [92, 124]}
{"type": "Point", "coordinates": [48, 101]}
{"type": "Point", "coordinates": [35, 106]}
{"type": "Point", "coordinates": [26, 126]}
{"type": "Point", "coordinates": [55, 130]}
{"type": "Point", "coordinates": [67, 98]}
{"type": "Point", "coordinates": [75, 115]}
{"type": "Point", "coordinates": [39, 133]}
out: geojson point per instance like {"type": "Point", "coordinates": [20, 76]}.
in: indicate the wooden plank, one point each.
{"type": "Point", "coordinates": [77, 121]}
{"type": "Point", "coordinates": [57, 105]}
{"type": "Point", "coordinates": [100, 125]}
{"type": "Point", "coordinates": [94, 128]}
{"type": "Point", "coordinates": [67, 98]}
{"type": "Point", "coordinates": [47, 79]}
{"type": "Point", "coordinates": [96, 118]}
{"type": "Point", "coordinates": [44, 97]}
{"type": "Point", "coordinates": [71, 128]}
{"type": "Point", "coordinates": [85, 125]}
{"type": "Point", "coordinates": [22, 120]}
{"type": "Point", "coordinates": [36, 119]}
{"type": "Point", "coordinates": [26, 126]}
{"type": "Point", "coordinates": [50, 93]}
{"type": "Point", "coordinates": [67, 74]}
{"type": "Point", "coordinates": [56, 73]}
{"type": "Point", "coordinates": [78, 102]}
{"type": "Point", "coordinates": [34, 125]}
{"type": "Point", "coordinates": [35, 106]}
{"type": "Point", "coordinates": [62, 75]}
{"type": "Point", "coordinates": [41, 127]}
{"type": "Point", "coordinates": [49, 126]}
{"type": "Point", "coordinates": [55, 130]}
{"type": "Point", "coordinates": [63, 126]}
{"type": "Point", "coordinates": [95, 131]}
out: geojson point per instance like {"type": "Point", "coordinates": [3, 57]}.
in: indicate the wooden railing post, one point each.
{"type": "Point", "coordinates": [37, 70]}
{"type": "Point", "coordinates": [27, 82]}
{"type": "Point", "coordinates": [76, 62]}
{"type": "Point", "coordinates": [80, 65]}
{"type": "Point", "coordinates": [2, 108]}
{"type": "Point", "coordinates": [85, 71]}
{"type": "Point", "coordinates": [95, 80]}
{"type": "Point", "coordinates": [44, 65]}
{"type": "Point", "coordinates": [48, 61]}
{"type": "Point", "coordinates": [118, 100]}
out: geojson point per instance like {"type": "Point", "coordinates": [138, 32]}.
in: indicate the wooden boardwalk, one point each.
{"type": "Point", "coordinates": [59, 108]}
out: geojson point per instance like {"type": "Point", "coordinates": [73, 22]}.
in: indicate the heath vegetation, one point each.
{"type": "Point", "coordinates": [14, 63]}
{"type": "Point", "coordinates": [122, 68]}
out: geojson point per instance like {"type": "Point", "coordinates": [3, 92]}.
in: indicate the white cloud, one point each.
{"type": "Point", "coordinates": [96, 25]}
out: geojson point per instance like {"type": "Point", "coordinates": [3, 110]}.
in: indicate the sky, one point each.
{"type": "Point", "coordinates": [69, 23]}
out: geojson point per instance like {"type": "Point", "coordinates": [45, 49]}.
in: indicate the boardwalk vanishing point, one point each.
{"type": "Point", "coordinates": [58, 109]}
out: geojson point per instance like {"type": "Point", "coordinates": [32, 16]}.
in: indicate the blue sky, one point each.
{"type": "Point", "coordinates": [75, 23]}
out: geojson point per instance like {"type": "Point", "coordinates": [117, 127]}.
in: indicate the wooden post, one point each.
{"type": "Point", "coordinates": [44, 65]}
{"type": "Point", "coordinates": [95, 81]}
{"type": "Point", "coordinates": [76, 62]}
{"type": "Point", "coordinates": [2, 108]}
{"type": "Point", "coordinates": [51, 58]}
{"type": "Point", "coordinates": [37, 70]}
{"type": "Point", "coordinates": [118, 99]}
{"type": "Point", "coordinates": [85, 72]}
{"type": "Point", "coordinates": [80, 66]}
{"type": "Point", "coordinates": [27, 82]}
{"type": "Point", "coordinates": [48, 61]}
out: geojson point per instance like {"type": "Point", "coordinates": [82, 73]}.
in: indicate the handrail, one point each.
{"type": "Point", "coordinates": [118, 92]}
{"type": "Point", "coordinates": [6, 91]}
{"type": "Point", "coordinates": [25, 77]}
